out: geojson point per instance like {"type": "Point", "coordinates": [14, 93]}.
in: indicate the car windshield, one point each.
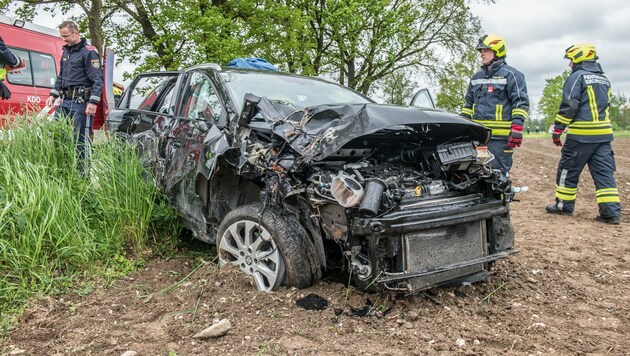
{"type": "Point", "coordinates": [298, 91]}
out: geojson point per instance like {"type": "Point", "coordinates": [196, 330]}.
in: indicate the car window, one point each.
{"type": "Point", "coordinates": [423, 99]}
{"type": "Point", "coordinates": [200, 100]}
{"type": "Point", "coordinates": [40, 70]}
{"type": "Point", "coordinates": [165, 100]}
{"type": "Point", "coordinates": [146, 92]}
{"type": "Point", "coordinates": [298, 91]}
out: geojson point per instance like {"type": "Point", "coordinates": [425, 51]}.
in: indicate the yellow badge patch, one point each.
{"type": "Point", "coordinates": [96, 63]}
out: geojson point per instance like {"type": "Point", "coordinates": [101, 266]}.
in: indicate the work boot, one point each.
{"type": "Point", "coordinates": [615, 220]}
{"type": "Point", "coordinates": [553, 209]}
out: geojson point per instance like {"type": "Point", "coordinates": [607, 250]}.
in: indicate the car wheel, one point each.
{"type": "Point", "coordinates": [271, 247]}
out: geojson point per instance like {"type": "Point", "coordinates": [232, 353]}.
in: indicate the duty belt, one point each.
{"type": "Point", "coordinates": [76, 92]}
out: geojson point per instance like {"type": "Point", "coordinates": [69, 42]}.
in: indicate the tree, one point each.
{"type": "Point", "coordinates": [551, 98]}
{"type": "Point", "coordinates": [186, 32]}
{"type": "Point", "coordinates": [389, 36]}
{"type": "Point", "coordinates": [618, 111]}
{"type": "Point", "coordinates": [398, 88]}
{"type": "Point", "coordinates": [97, 13]}
{"type": "Point", "coordinates": [301, 36]}
{"type": "Point", "coordinates": [357, 41]}
{"type": "Point", "coordinates": [453, 81]}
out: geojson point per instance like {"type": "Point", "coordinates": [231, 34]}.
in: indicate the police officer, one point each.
{"type": "Point", "coordinates": [584, 108]}
{"type": "Point", "coordinates": [79, 84]}
{"type": "Point", "coordinates": [9, 62]}
{"type": "Point", "coordinates": [497, 98]}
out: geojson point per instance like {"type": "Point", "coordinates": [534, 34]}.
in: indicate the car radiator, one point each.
{"type": "Point", "coordinates": [450, 245]}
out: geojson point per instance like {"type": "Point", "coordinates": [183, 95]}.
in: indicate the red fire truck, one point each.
{"type": "Point", "coordinates": [41, 48]}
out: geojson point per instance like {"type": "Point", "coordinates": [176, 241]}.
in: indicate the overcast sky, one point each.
{"type": "Point", "coordinates": [537, 33]}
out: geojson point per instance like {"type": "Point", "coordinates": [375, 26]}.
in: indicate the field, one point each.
{"type": "Point", "coordinates": [566, 292]}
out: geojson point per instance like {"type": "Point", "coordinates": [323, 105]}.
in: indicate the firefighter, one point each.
{"type": "Point", "coordinates": [79, 84]}
{"type": "Point", "coordinates": [497, 98]}
{"type": "Point", "coordinates": [11, 63]}
{"type": "Point", "coordinates": [584, 109]}
{"type": "Point", "coordinates": [117, 90]}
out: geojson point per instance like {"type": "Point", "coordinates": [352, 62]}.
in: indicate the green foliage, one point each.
{"type": "Point", "coordinates": [93, 15]}
{"type": "Point", "coordinates": [453, 81]}
{"type": "Point", "coordinates": [307, 37]}
{"type": "Point", "coordinates": [398, 88]}
{"type": "Point", "coordinates": [57, 228]}
{"type": "Point", "coordinates": [551, 98]}
{"type": "Point", "coordinates": [389, 36]}
{"type": "Point", "coordinates": [619, 111]}
{"type": "Point", "coordinates": [358, 42]}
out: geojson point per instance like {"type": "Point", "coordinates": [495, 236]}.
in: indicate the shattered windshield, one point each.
{"type": "Point", "coordinates": [301, 92]}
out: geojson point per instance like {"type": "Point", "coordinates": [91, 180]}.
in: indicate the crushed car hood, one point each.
{"type": "Point", "coordinates": [316, 132]}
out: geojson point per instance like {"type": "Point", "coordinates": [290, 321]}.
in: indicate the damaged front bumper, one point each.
{"type": "Point", "coordinates": [444, 241]}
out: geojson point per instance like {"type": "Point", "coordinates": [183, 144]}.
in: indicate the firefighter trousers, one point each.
{"type": "Point", "coordinates": [601, 163]}
{"type": "Point", "coordinates": [502, 155]}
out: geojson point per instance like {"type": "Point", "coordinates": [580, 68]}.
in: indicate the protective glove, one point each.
{"type": "Point", "coordinates": [5, 94]}
{"type": "Point", "coordinates": [555, 136]}
{"type": "Point", "coordinates": [516, 137]}
{"type": "Point", "coordinates": [16, 70]}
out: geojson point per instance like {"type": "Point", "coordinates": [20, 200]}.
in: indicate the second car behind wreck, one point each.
{"type": "Point", "coordinates": [291, 175]}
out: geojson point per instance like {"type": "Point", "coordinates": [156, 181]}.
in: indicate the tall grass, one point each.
{"type": "Point", "coordinates": [58, 228]}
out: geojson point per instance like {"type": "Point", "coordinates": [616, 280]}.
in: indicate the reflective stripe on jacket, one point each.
{"type": "Point", "coordinates": [496, 98]}
{"type": "Point", "coordinates": [584, 106]}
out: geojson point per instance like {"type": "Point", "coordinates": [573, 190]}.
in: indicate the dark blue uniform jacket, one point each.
{"type": "Point", "coordinates": [80, 67]}
{"type": "Point", "coordinates": [584, 106]}
{"type": "Point", "coordinates": [6, 57]}
{"type": "Point", "coordinates": [497, 98]}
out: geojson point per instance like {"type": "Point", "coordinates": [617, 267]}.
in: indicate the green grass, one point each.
{"type": "Point", "coordinates": [59, 230]}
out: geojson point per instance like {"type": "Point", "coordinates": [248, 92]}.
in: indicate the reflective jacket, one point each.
{"type": "Point", "coordinates": [584, 105]}
{"type": "Point", "coordinates": [496, 98]}
{"type": "Point", "coordinates": [6, 58]}
{"type": "Point", "coordinates": [80, 67]}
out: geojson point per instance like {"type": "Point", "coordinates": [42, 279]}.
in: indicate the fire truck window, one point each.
{"type": "Point", "coordinates": [25, 77]}
{"type": "Point", "coordinates": [44, 70]}
{"type": "Point", "coordinates": [41, 70]}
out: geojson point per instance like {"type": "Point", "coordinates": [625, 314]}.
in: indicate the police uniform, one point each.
{"type": "Point", "coordinates": [80, 82]}
{"type": "Point", "coordinates": [584, 109]}
{"type": "Point", "coordinates": [497, 98]}
{"type": "Point", "coordinates": [6, 58]}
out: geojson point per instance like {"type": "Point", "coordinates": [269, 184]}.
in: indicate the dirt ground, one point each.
{"type": "Point", "coordinates": [566, 292]}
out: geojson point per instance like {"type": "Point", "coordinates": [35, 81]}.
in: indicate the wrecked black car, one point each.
{"type": "Point", "coordinates": [290, 176]}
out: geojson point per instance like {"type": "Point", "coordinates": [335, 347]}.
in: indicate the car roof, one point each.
{"type": "Point", "coordinates": [218, 68]}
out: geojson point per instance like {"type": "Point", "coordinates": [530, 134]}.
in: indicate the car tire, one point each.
{"type": "Point", "coordinates": [271, 246]}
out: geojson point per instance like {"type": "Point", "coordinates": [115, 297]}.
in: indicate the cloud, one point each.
{"type": "Point", "coordinates": [538, 32]}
